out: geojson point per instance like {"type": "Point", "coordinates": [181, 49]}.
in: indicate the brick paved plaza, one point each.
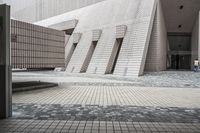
{"type": "Point", "coordinates": [106, 104]}
{"type": "Point", "coordinates": [99, 66]}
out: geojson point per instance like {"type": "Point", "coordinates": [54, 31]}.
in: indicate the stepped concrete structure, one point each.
{"type": "Point", "coordinates": [122, 44]}
{"type": "Point", "coordinates": [128, 37]}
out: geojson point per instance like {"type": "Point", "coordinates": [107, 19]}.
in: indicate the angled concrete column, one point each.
{"type": "Point", "coordinates": [5, 66]}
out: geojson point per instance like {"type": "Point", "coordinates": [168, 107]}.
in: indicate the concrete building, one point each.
{"type": "Point", "coordinates": [128, 37]}
{"type": "Point", "coordinates": [125, 37]}
{"type": "Point", "coordinates": [36, 10]}
{"type": "Point", "coordinates": [36, 47]}
{"type": "Point", "coordinates": [118, 37]}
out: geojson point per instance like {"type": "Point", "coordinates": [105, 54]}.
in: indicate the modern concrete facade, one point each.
{"type": "Point", "coordinates": [129, 37]}
{"type": "Point", "coordinates": [36, 47]}
{"type": "Point", "coordinates": [156, 57]}
{"type": "Point", "coordinates": [135, 36]}
{"type": "Point", "coordinates": [130, 21]}
{"type": "Point", "coordinates": [36, 10]}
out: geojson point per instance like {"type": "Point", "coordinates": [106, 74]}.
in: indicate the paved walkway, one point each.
{"type": "Point", "coordinates": [51, 126]}
{"type": "Point", "coordinates": [165, 102]}
{"type": "Point", "coordinates": [109, 103]}
{"type": "Point", "coordinates": [112, 95]}
{"type": "Point", "coordinates": [180, 79]}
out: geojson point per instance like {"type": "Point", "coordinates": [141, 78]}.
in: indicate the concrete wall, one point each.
{"type": "Point", "coordinates": [107, 15]}
{"type": "Point", "coordinates": [35, 10]}
{"type": "Point", "coordinates": [157, 51]}
{"type": "Point", "coordinates": [35, 46]}
{"type": "Point", "coordinates": [195, 41]}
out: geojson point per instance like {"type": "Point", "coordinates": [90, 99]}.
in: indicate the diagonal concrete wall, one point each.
{"type": "Point", "coordinates": [137, 15]}
{"type": "Point", "coordinates": [157, 51]}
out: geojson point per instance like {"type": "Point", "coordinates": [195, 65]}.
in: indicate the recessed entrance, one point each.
{"type": "Point", "coordinates": [179, 51]}
{"type": "Point", "coordinates": [114, 56]}
{"type": "Point", "coordinates": [89, 56]}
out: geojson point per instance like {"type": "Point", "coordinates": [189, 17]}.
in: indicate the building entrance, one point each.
{"type": "Point", "coordinates": [179, 51]}
{"type": "Point", "coordinates": [180, 62]}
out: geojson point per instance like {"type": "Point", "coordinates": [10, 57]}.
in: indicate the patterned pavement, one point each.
{"type": "Point", "coordinates": [106, 104]}
{"type": "Point", "coordinates": [57, 126]}
{"type": "Point", "coordinates": [137, 106]}
{"type": "Point", "coordinates": [112, 95]}
{"type": "Point", "coordinates": [175, 79]}
{"type": "Point", "coordinates": [109, 113]}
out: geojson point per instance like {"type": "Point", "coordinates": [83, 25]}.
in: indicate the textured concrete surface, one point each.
{"type": "Point", "coordinates": [36, 10]}
{"type": "Point", "coordinates": [78, 112]}
{"type": "Point", "coordinates": [36, 47]}
{"type": "Point", "coordinates": [47, 126]}
{"type": "Point", "coordinates": [136, 15]}
{"type": "Point", "coordinates": [104, 96]}
{"type": "Point", "coordinates": [89, 103]}
{"type": "Point", "coordinates": [156, 57]}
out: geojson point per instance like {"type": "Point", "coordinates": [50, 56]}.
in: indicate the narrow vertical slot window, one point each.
{"type": "Point", "coordinates": [71, 53]}
{"type": "Point", "coordinates": [89, 56]}
{"type": "Point", "coordinates": [114, 56]}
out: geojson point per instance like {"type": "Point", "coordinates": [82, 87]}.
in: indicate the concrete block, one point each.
{"type": "Point", "coordinates": [121, 31]}
{"type": "Point", "coordinates": [96, 34]}
{"type": "Point", "coordinates": [70, 24]}
{"type": "Point", "coordinates": [76, 37]}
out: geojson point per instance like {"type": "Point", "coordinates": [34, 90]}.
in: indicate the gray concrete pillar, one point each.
{"type": "Point", "coordinates": [199, 37]}
{"type": "Point", "coordinates": [5, 63]}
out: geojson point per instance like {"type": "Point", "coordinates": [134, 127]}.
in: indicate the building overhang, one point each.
{"type": "Point", "coordinates": [180, 15]}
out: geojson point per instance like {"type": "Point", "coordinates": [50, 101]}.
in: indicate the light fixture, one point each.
{"type": "Point", "coordinates": [181, 7]}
